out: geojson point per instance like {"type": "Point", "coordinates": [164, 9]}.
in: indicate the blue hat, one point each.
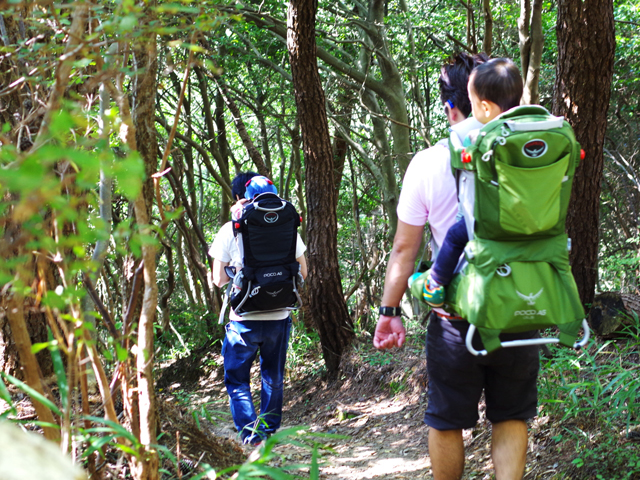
{"type": "Point", "coordinates": [258, 185]}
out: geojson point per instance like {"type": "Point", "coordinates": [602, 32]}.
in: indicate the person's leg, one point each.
{"type": "Point", "coordinates": [455, 378]}
{"type": "Point", "coordinates": [273, 355]}
{"type": "Point", "coordinates": [446, 451]}
{"type": "Point", "coordinates": [509, 449]}
{"type": "Point", "coordinates": [511, 398]}
{"type": "Point", "coordinates": [452, 247]}
{"type": "Point", "coordinates": [239, 352]}
{"type": "Point", "coordinates": [454, 388]}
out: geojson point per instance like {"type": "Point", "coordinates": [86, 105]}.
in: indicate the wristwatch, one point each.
{"type": "Point", "coordinates": [390, 311]}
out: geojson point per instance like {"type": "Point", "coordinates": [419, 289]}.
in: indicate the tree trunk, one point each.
{"type": "Point", "coordinates": [15, 314]}
{"type": "Point", "coordinates": [531, 43]}
{"type": "Point", "coordinates": [612, 311]}
{"type": "Point", "coordinates": [487, 41]}
{"type": "Point", "coordinates": [586, 46]}
{"type": "Point", "coordinates": [524, 43]}
{"type": "Point", "coordinates": [146, 466]}
{"type": "Point", "coordinates": [325, 289]}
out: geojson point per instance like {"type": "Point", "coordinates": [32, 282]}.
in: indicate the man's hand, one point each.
{"type": "Point", "coordinates": [390, 332]}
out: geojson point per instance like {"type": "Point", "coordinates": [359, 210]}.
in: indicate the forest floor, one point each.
{"type": "Point", "coordinates": [374, 416]}
{"type": "Point", "coordinates": [368, 423]}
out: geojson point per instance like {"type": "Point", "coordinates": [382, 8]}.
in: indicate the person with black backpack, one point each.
{"type": "Point", "coordinates": [260, 253]}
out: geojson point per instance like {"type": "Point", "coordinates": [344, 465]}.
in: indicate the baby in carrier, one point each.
{"type": "Point", "coordinates": [494, 87]}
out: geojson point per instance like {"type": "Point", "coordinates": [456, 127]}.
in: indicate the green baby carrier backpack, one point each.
{"type": "Point", "coordinates": [514, 183]}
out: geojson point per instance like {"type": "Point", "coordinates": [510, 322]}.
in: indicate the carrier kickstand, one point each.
{"type": "Point", "coordinates": [525, 343]}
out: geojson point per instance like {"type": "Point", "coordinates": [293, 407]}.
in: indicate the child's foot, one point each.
{"type": "Point", "coordinates": [433, 293]}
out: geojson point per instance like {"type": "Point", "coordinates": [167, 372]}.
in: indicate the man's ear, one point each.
{"type": "Point", "coordinates": [455, 116]}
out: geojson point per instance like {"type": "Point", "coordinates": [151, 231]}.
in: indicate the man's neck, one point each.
{"type": "Point", "coordinates": [463, 128]}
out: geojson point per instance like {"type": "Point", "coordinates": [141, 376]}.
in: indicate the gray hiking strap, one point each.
{"type": "Point", "coordinates": [225, 303]}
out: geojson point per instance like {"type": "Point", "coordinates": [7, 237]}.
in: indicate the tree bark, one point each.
{"type": "Point", "coordinates": [146, 466]}
{"type": "Point", "coordinates": [612, 311]}
{"type": "Point", "coordinates": [143, 421]}
{"type": "Point", "coordinates": [524, 43]}
{"type": "Point", "coordinates": [15, 314]}
{"type": "Point", "coordinates": [586, 46]}
{"type": "Point", "coordinates": [531, 43]}
{"type": "Point", "coordinates": [325, 289]}
{"type": "Point", "coordinates": [487, 41]}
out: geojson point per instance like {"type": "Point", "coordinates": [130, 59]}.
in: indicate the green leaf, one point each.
{"type": "Point", "coordinates": [176, 8]}
{"type": "Point", "coordinates": [129, 174]}
{"type": "Point", "coordinates": [209, 472]}
{"type": "Point", "coordinates": [38, 347]}
{"type": "Point", "coordinates": [39, 423]}
{"type": "Point", "coordinates": [107, 355]}
{"type": "Point", "coordinates": [6, 396]}
{"type": "Point", "coordinates": [118, 429]}
{"type": "Point", "coordinates": [128, 23]}
{"type": "Point", "coordinates": [61, 124]}
{"type": "Point", "coordinates": [127, 449]}
{"type": "Point", "coordinates": [168, 453]}
{"type": "Point", "coordinates": [314, 471]}
{"type": "Point", "coordinates": [58, 369]}
{"type": "Point", "coordinates": [32, 393]}
{"type": "Point", "coordinates": [121, 352]}
{"type": "Point", "coordinates": [96, 443]}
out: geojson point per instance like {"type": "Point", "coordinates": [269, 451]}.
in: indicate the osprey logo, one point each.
{"type": "Point", "coordinates": [271, 217]}
{"type": "Point", "coordinates": [274, 294]}
{"type": "Point", "coordinates": [534, 148]}
{"type": "Point", "coordinates": [531, 298]}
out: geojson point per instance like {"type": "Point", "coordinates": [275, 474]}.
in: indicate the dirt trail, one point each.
{"type": "Point", "coordinates": [384, 434]}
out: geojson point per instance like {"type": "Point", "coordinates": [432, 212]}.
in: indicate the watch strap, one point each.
{"type": "Point", "coordinates": [390, 311]}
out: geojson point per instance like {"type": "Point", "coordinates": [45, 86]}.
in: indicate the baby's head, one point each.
{"type": "Point", "coordinates": [494, 87]}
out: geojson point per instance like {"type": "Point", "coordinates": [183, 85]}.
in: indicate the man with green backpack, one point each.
{"type": "Point", "coordinates": [456, 377]}
{"type": "Point", "coordinates": [516, 264]}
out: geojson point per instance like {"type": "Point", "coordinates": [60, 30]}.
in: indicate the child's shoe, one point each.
{"type": "Point", "coordinates": [416, 284]}
{"type": "Point", "coordinates": [433, 293]}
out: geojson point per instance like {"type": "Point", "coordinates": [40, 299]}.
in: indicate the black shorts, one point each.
{"type": "Point", "coordinates": [457, 378]}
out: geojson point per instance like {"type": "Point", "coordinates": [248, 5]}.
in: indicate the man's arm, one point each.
{"type": "Point", "coordinates": [302, 260]}
{"type": "Point", "coordinates": [390, 331]}
{"type": "Point", "coordinates": [220, 277]}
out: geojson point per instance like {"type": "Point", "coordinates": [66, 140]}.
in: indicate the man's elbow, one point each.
{"type": "Point", "coordinates": [219, 282]}
{"type": "Point", "coordinates": [219, 276]}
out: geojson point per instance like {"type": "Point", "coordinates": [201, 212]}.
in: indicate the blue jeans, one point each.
{"type": "Point", "coordinates": [241, 344]}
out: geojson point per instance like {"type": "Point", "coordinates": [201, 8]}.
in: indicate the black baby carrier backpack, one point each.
{"type": "Point", "coordinates": [270, 275]}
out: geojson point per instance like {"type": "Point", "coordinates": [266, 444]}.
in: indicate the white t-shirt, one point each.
{"type": "Point", "coordinates": [225, 248]}
{"type": "Point", "coordinates": [429, 188]}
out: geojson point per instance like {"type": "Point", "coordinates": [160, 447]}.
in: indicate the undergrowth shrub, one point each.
{"type": "Point", "coordinates": [593, 397]}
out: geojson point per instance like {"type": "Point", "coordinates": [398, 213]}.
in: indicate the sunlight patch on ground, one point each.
{"type": "Point", "coordinates": [384, 468]}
